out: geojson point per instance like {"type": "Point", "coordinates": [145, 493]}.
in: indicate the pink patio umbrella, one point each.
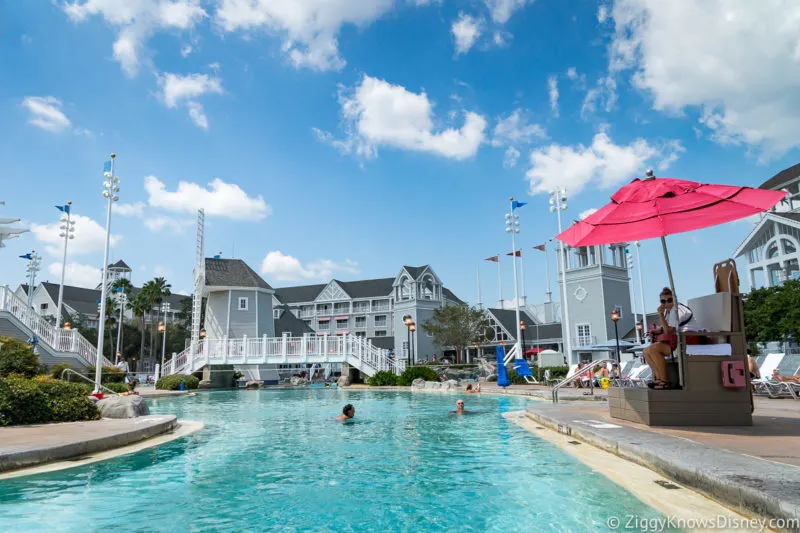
{"type": "Point", "coordinates": [657, 207]}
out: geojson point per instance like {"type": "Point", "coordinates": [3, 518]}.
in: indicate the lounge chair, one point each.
{"type": "Point", "coordinates": [523, 370]}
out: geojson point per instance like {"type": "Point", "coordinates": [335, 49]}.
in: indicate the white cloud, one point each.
{"type": "Point", "coordinates": [578, 80]}
{"type": "Point", "coordinates": [89, 236]}
{"type": "Point", "coordinates": [309, 28]}
{"type": "Point", "coordinates": [377, 113]}
{"type": "Point", "coordinates": [159, 223]}
{"type": "Point", "coordinates": [587, 213]}
{"type": "Point", "coordinates": [465, 30]}
{"type": "Point", "coordinates": [137, 21]}
{"type": "Point", "coordinates": [602, 14]}
{"type": "Point", "coordinates": [283, 267]}
{"type": "Point", "coordinates": [129, 210]}
{"type": "Point", "coordinates": [177, 90]}
{"type": "Point", "coordinates": [604, 163]}
{"type": "Point", "coordinates": [513, 132]}
{"type": "Point", "coordinates": [76, 274]}
{"type": "Point", "coordinates": [46, 113]}
{"type": "Point", "coordinates": [502, 10]}
{"type": "Point", "coordinates": [186, 50]}
{"type": "Point", "coordinates": [604, 92]}
{"type": "Point", "coordinates": [220, 199]}
{"type": "Point", "coordinates": [552, 89]}
{"type": "Point", "coordinates": [737, 61]}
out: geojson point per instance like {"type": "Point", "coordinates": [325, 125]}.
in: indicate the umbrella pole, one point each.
{"type": "Point", "coordinates": [675, 297]}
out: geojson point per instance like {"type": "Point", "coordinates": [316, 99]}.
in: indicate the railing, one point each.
{"type": "Point", "coordinates": [578, 375]}
{"type": "Point", "coordinates": [584, 340]}
{"type": "Point", "coordinates": [70, 372]}
{"type": "Point", "coordinates": [357, 351]}
{"type": "Point", "coordinates": [324, 312]}
{"type": "Point", "coordinates": [61, 340]}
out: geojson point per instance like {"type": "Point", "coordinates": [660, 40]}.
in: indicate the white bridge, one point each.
{"type": "Point", "coordinates": [357, 352]}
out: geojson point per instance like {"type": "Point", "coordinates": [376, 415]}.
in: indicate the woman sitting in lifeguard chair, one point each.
{"type": "Point", "coordinates": [666, 339]}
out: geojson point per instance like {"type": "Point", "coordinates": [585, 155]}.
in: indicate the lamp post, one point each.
{"type": "Point", "coordinates": [408, 321]}
{"type": "Point", "coordinates": [615, 319]}
{"type": "Point", "coordinates": [512, 227]}
{"type": "Point", "coordinates": [522, 335]}
{"type": "Point", "coordinates": [67, 228]}
{"type": "Point", "coordinates": [123, 299]}
{"type": "Point", "coordinates": [34, 265]}
{"type": "Point", "coordinates": [413, 328]}
{"type": "Point", "coordinates": [558, 203]}
{"type": "Point", "coordinates": [203, 333]}
{"type": "Point", "coordinates": [110, 190]}
{"type": "Point", "coordinates": [162, 328]}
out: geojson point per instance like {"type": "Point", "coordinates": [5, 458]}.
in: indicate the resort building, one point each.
{"type": "Point", "coordinates": [772, 248]}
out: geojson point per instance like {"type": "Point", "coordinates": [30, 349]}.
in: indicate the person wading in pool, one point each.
{"type": "Point", "coordinates": [348, 412]}
{"type": "Point", "coordinates": [459, 408]}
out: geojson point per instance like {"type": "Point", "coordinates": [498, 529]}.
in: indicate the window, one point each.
{"type": "Point", "coordinates": [276, 313]}
{"type": "Point", "coordinates": [361, 333]}
{"type": "Point", "coordinates": [43, 307]}
{"type": "Point", "coordinates": [584, 334]}
{"type": "Point", "coordinates": [772, 250]}
{"type": "Point", "coordinates": [361, 322]}
{"type": "Point", "coordinates": [380, 333]}
{"type": "Point", "coordinates": [341, 323]}
{"type": "Point", "coordinates": [341, 309]}
{"type": "Point", "coordinates": [361, 307]}
{"type": "Point", "coordinates": [324, 325]}
{"type": "Point", "coordinates": [788, 247]}
{"type": "Point", "coordinates": [380, 320]}
{"type": "Point", "coordinates": [242, 304]}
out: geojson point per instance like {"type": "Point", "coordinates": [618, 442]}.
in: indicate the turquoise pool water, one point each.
{"type": "Point", "coordinates": [274, 460]}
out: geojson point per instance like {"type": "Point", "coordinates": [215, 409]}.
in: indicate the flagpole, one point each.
{"type": "Point", "coordinates": [67, 235]}
{"type": "Point", "coordinates": [549, 293]}
{"type": "Point", "coordinates": [499, 281]}
{"type": "Point", "coordinates": [478, 270]}
{"type": "Point", "coordinates": [512, 226]}
{"type": "Point", "coordinates": [641, 285]}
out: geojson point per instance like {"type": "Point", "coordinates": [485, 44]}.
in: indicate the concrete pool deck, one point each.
{"type": "Point", "coordinates": [26, 446]}
{"type": "Point", "coordinates": [755, 469]}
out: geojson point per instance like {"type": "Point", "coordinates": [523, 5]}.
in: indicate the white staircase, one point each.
{"type": "Point", "coordinates": [58, 345]}
{"type": "Point", "coordinates": [309, 349]}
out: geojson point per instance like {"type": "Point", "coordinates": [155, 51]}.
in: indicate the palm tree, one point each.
{"type": "Point", "coordinates": [156, 290]}
{"type": "Point", "coordinates": [126, 287]}
{"type": "Point", "coordinates": [141, 305]}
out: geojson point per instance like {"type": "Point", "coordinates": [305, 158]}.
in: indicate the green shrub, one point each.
{"type": "Point", "coordinates": [556, 372]}
{"type": "Point", "coordinates": [116, 387]}
{"type": "Point", "coordinates": [67, 402]}
{"type": "Point", "coordinates": [384, 378]}
{"type": "Point", "coordinates": [111, 374]}
{"type": "Point", "coordinates": [22, 402]}
{"type": "Point", "coordinates": [56, 370]}
{"type": "Point", "coordinates": [17, 357]}
{"type": "Point", "coordinates": [414, 372]}
{"type": "Point", "coordinates": [173, 382]}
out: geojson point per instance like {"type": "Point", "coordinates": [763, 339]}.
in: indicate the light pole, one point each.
{"type": "Point", "coordinates": [123, 299]}
{"type": "Point", "coordinates": [408, 321]}
{"type": "Point", "coordinates": [522, 335]}
{"type": "Point", "coordinates": [412, 328]}
{"type": "Point", "coordinates": [558, 203]}
{"type": "Point", "coordinates": [110, 190]}
{"type": "Point", "coordinates": [615, 319]}
{"type": "Point", "coordinates": [512, 227]}
{"type": "Point", "coordinates": [67, 228]}
{"type": "Point", "coordinates": [640, 330]}
{"type": "Point", "coordinates": [631, 288]}
{"type": "Point", "coordinates": [641, 285]}
{"type": "Point", "coordinates": [34, 265]}
{"type": "Point", "coordinates": [162, 327]}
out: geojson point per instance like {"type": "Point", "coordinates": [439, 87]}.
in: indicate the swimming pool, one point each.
{"type": "Point", "coordinates": [275, 460]}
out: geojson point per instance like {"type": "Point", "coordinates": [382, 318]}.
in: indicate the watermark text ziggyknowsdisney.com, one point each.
{"type": "Point", "coordinates": [721, 523]}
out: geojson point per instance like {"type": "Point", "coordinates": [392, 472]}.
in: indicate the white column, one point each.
{"type": "Point", "coordinates": [244, 346]}
{"type": "Point", "coordinates": [304, 347]}
{"type": "Point", "coordinates": [264, 346]}
{"type": "Point", "coordinates": [751, 274]}
{"type": "Point", "coordinates": [226, 348]}
{"type": "Point", "coordinates": [325, 346]}
{"type": "Point", "coordinates": [284, 346]}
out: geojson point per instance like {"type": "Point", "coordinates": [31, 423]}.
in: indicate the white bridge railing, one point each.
{"type": "Point", "coordinates": [59, 339]}
{"type": "Point", "coordinates": [309, 349]}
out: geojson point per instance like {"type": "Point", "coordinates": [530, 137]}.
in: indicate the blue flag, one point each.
{"type": "Point", "coordinates": [107, 166]}
{"type": "Point", "coordinates": [26, 256]}
{"type": "Point", "coordinates": [515, 204]}
{"type": "Point", "coordinates": [217, 256]}
{"type": "Point", "coordinates": [63, 208]}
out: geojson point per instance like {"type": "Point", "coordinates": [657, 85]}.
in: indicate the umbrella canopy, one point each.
{"type": "Point", "coordinates": [657, 207]}
{"type": "Point", "coordinates": [533, 351]}
{"type": "Point", "coordinates": [610, 345]}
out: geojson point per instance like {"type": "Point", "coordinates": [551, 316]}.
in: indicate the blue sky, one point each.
{"type": "Point", "coordinates": [350, 137]}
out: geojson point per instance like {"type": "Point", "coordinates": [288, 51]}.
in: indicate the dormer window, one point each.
{"type": "Point", "coordinates": [243, 304]}
{"type": "Point", "coordinates": [405, 289]}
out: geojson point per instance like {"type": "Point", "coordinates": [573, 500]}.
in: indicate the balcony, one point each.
{"type": "Point", "coordinates": [583, 340]}
{"type": "Point", "coordinates": [324, 312]}
{"type": "Point", "coordinates": [306, 314]}
{"type": "Point", "coordinates": [342, 311]}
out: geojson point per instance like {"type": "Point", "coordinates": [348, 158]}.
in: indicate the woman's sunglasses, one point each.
{"type": "Point", "coordinates": [666, 301]}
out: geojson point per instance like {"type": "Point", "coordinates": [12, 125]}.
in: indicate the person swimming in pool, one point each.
{"type": "Point", "coordinates": [348, 412]}
{"type": "Point", "coordinates": [459, 408]}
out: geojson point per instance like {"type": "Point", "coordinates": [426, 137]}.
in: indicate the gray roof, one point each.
{"type": "Point", "coordinates": [508, 319]}
{"type": "Point", "coordinates": [120, 264]}
{"type": "Point", "coordinates": [447, 293]}
{"type": "Point", "coordinates": [84, 300]}
{"type": "Point", "coordinates": [415, 271]}
{"type": "Point", "coordinates": [232, 273]}
{"type": "Point", "coordinates": [543, 331]}
{"type": "Point", "coordinates": [795, 217]}
{"type": "Point", "coordinates": [303, 293]}
{"type": "Point", "coordinates": [384, 343]}
{"type": "Point", "coordinates": [289, 322]}
{"type": "Point", "coordinates": [367, 288]}
{"type": "Point", "coordinates": [776, 181]}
